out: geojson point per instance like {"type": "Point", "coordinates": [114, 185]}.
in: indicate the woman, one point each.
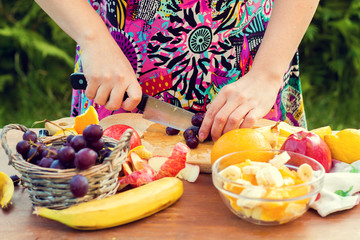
{"type": "Point", "coordinates": [236, 60]}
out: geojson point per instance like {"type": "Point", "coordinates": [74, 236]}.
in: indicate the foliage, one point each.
{"type": "Point", "coordinates": [36, 58]}
{"type": "Point", "coordinates": [330, 65]}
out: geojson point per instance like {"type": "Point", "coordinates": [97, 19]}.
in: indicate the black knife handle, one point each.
{"type": "Point", "coordinates": [78, 82]}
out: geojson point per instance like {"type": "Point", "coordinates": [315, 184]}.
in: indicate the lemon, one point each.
{"type": "Point", "coordinates": [6, 190]}
{"type": "Point", "coordinates": [344, 145]}
{"type": "Point", "coordinates": [322, 131]}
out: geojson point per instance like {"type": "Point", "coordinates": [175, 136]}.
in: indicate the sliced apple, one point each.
{"type": "Point", "coordinates": [136, 161]}
{"type": "Point", "coordinates": [138, 177]}
{"type": "Point", "coordinates": [126, 168]}
{"type": "Point", "coordinates": [175, 162]}
{"type": "Point", "coordinates": [190, 173]}
{"type": "Point", "coordinates": [156, 162]}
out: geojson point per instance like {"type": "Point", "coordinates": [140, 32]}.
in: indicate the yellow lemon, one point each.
{"type": "Point", "coordinates": [239, 140]}
{"type": "Point", "coordinates": [344, 145]}
{"type": "Point", "coordinates": [90, 116]}
{"type": "Point", "coordinates": [322, 131]}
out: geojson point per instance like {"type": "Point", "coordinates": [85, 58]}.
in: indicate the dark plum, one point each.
{"type": "Point", "coordinates": [171, 131]}
{"type": "Point", "coordinates": [192, 142]}
{"type": "Point", "coordinates": [92, 133]}
{"type": "Point", "coordinates": [79, 185]}
{"type": "Point", "coordinates": [85, 158]}
{"type": "Point", "coordinates": [197, 119]}
{"type": "Point", "coordinates": [78, 142]}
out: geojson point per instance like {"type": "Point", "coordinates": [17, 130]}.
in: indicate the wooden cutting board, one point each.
{"type": "Point", "coordinates": [155, 139]}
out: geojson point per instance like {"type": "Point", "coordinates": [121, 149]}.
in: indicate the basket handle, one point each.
{"type": "Point", "coordinates": [4, 143]}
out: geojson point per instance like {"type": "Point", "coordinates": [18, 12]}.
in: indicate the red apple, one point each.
{"type": "Point", "coordinates": [175, 163]}
{"type": "Point", "coordinates": [138, 177]}
{"type": "Point", "coordinates": [117, 130]}
{"type": "Point", "coordinates": [311, 145]}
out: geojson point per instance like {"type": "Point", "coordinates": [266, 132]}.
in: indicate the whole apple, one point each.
{"type": "Point", "coordinates": [117, 130]}
{"type": "Point", "coordinates": [311, 145]}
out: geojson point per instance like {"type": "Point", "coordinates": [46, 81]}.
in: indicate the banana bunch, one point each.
{"type": "Point", "coordinates": [6, 190]}
{"type": "Point", "coordinates": [120, 208]}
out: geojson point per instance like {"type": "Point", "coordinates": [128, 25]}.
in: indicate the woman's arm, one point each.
{"type": "Point", "coordinates": [107, 70]}
{"type": "Point", "coordinates": [243, 102]}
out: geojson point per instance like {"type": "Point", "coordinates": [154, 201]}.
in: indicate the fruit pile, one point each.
{"type": "Point", "coordinates": [191, 134]}
{"type": "Point", "coordinates": [273, 183]}
{"type": "Point", "coordinates": [78, 151]}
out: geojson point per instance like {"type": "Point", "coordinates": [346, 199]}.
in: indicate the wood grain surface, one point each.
{"type": "Point", "coordinates": [199, 214]}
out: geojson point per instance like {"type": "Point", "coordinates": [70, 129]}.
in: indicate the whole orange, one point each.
{"type": "Point", "coordinates": [239, 140]}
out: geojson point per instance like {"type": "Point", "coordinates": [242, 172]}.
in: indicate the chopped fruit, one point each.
{"type": "Point", "coordinates": [90, 116]}
{"type": "Point", "coordinates": [66, 132]}
{"type": "Point", "coordinates": [322, 131]}
{"type": "Point", "coordinates": [142, 152]}
{"type": "Point", "coordinates": [117, 130]}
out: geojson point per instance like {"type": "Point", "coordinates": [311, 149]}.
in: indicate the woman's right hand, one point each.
{"type": "Point", "coordinates": [109, 74]}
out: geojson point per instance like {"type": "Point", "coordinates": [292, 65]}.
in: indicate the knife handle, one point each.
{"type": "Point", "coordinates": [78, 82]}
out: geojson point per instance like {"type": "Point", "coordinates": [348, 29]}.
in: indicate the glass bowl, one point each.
{"type": "Point", "coordinates": [274, 201]}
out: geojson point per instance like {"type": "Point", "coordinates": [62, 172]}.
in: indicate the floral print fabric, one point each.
{"type": "Point", "coordinates": [184, 51]}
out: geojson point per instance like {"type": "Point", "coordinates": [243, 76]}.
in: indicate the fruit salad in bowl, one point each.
{"type": "Point", "coordinates": [267, 187]}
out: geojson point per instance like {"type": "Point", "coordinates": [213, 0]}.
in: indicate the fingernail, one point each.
{"type": "Point", "coordinates": [201, 137]}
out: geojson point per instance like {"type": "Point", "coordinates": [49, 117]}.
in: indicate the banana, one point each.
{"type": "Point", "coordinates": [269, 176]}
{"type": "Point", "coordinates": [120, 208]}
{"type": "Point", "coordinates": [305, 172]}
{"type": "Point", "coordinates": [280, 159]}
{"type": "Point", "coordinates": [6, 190]}
{"type": "Point", "coordinates": [250, 170]}
{"type": "Point", "coordinates": [251, 193]}
{"type": "Point", "coordinates": [231, 172]}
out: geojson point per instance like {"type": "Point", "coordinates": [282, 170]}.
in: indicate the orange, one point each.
{"type": "Point", "coordinates": [239, 140]}
{"type": "Point", "coordinates": [90, 116]}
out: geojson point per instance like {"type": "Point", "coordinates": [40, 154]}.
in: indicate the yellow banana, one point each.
{"type": "Point", "coordinates": [120, 208]}
{"type": "Point", "coordinates": [6, 190]}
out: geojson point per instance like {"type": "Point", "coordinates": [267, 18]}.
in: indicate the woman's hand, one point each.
{"type": "Point", "coordinates": [109, 74]}
{"type": "Point", "coordinates": [240, 104]}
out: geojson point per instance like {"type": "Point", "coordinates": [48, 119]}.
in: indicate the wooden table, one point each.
{"type": "Point", "coordinates": [199, 214]}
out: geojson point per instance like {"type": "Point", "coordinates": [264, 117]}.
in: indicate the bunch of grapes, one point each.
{"type": "Point", "coordinates": [191, 134]}
{"type": "Point", "coordinates": [78, 151]}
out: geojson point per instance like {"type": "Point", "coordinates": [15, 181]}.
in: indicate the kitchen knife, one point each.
{"type": "Point", "coordinates": [153, 109]}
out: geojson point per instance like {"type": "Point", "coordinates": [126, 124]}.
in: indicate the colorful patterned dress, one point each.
{"type": "Point", "coordinates": [185, 51]}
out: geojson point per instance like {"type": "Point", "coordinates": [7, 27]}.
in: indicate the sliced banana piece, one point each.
{"type": "Point", "coordinates": [251, 193]}
{"type": "Point", "coordinates": [280, 159]}
{"type": "Point", "coordinates": [305, 172]}
{"type": "Point", "coordinates": [250, 170]}
{"type": "Point", "coordinates": [269, 176]}
{"type": "Point", "coordinates": [231, 172]}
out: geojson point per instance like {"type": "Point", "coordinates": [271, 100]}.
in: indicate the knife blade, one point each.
{"type": "Point", "coordinates": [153, 109]}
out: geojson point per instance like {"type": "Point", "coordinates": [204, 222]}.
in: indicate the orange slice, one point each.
{"type": "Point", "coordinates": [90, 116]}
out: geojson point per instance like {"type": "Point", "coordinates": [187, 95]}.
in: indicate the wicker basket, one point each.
{"type": "Point", "coordinates": [50, 188]}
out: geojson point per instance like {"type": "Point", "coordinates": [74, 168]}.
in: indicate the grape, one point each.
{"type": "Point", "coordinates": [78, 142]}
{"type": "Point", "coordinates": [30, 136]}
{"type": "Point", "coordinates": [191, 132]}
{"type": "Point", "coordinates": [46, 162]}
{"type": "Point", "coordinates": [16, 180]}
{"type": "Point", "coordinates": [171, 131]}
{"type": "Point", "coordinates": [33, 155]}
{"type": "Point", "coordinates": [23, 147]}
{"type": "Point", "coordinates": [66, 156]}
{"type": "Point", "coordinates": [85, 158]}
{"type": "Point", "coordinates": [57, 164]}
{"type": "Point", "coordinates": [79, 185]}
{"type": "Point", "coordinates": [92, 133]}
{"type": "Point", "coordinates": [68, 139]}
{"type": "Point", "coordinates": [197, 119]}
{"type": "Point", "coordinates": [50, 152]}
{"type": "Point", "coordinates": [41, 148]}
{"type": "Point", "coordinates": [192, 142]}
{"type": "Point", "coordinates": [96, 146]}
{"type": "Point", "coordinates": [104, 153]}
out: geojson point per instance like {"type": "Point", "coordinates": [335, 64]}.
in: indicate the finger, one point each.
{"type": "Point", "coordinates": [235, 118]}
{"type": "Point", "coordinates": [209, 117]}
{"type": "Point", "coordinates": [92, 87]}
{"type": "Point", "coordinates": [115, 99]}
{"type": "Point", "coordinates": [134, 92]}
{"type": "Point", "coordinates": [250, 119]}
{"type": "Point", "coordinates": [221, 119]}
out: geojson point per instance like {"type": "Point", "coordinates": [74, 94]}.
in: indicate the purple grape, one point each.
{"type": "Point", "coordinates": [41, 148]}
{"type": "Point", "coordinates": [104, 153]}
{"type": "Point", "coordinates": [23, 147]}
{"type": "Point", "coordinates": [79, 185]}
{"type": "Point", "coordinates": [68, 139]}
{"type": "Point", "coordinates": [171, 131]}
{"type": "Point", "coordinates": [46, 162]}
{"type": "Point", "coordinates": [85, 158]}
{"type": "Point", "coordinates": [57, 164]}
{"type": "Point", "coordinates": [78, 142]}
{"type": "Point", "coordinates": [50, 152]}
{"type": "Point", "coordinates": [33, 155]}
{"type": "Point", "coordinates": [191, 132]}
{"type": "Point", "coordinates": [92, 133]}
{"type": "Point", "coordinates": [16, 180]}
{"type": "Point", "coordinates": [66, 156]}
{"type": "Point", "coordinates": [30, 136]}
{"type": "Point", "coordinates": [197, 119]}
{"type": "Point", "coordinates": [192, 142]}
{"type": "Point", "coordinates": [96, 146]}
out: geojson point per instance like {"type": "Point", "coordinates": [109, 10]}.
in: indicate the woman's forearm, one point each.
{"type": "Point", "coordinates": [77, 18]}
{"type": "Point", "coordinates": [287, 26]}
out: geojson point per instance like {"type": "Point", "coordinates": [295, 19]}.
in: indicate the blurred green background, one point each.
{"type": "Point", "coordinates": [36, 58]}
